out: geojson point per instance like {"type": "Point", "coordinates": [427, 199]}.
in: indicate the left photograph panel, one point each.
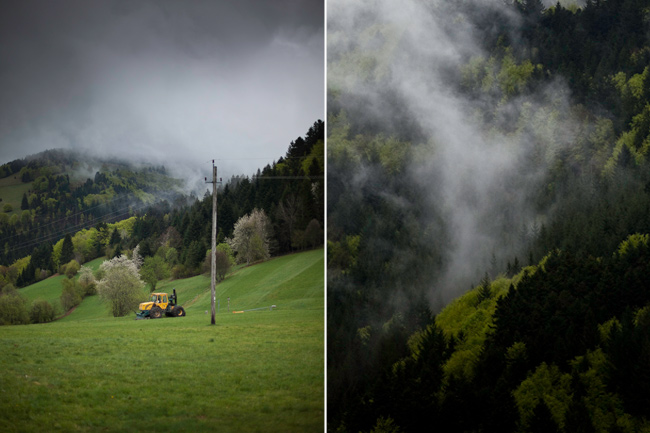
{"type": "Point", "coordinates": [162, 214]}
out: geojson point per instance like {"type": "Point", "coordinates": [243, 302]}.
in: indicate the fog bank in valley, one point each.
{"type": "Point", "coordinates": [481, 174]}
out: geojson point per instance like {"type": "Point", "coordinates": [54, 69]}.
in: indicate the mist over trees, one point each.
{"type": "Point", "coordinates": [68, 192]}
{"type": "Point", "coordinates": [500, 148]}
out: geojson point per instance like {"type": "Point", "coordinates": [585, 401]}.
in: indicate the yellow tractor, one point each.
{"type": "Point", "coordinates": [159, 304]}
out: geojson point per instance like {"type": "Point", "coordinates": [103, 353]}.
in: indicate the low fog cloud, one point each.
{"type": "Point", "coordinates": [480, 178]}
{"type": "Point", "coordinates": [176, 83]}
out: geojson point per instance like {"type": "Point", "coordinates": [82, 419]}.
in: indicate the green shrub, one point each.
{"type": "Point", "coordinates": [13, 308]}
{"type": "Point", "coordinates": [71, 295]}
{"type": "Point", "coordinates": [42, 274]}
{"type": "Point", "coordinates": [222, 261]}
{"type": "Point", "coordinates": [169, 254]}
{"type": "Point", "coordinates": [71, 268]}
{"type": "Point", "coordinates": [99, 273]}
{"type": "Point", "coordinates": [313, 235]}
{"type": "Point", "coordinates": [179, 271]}
{"type": "Point", "coordinates": [41, 312]}
{"type": "Point", "coordinates": [222, 264]}
{"type": "Point", "coordinates": [225, 248]}
{"type": "Point", "coordinates": [8, 289]}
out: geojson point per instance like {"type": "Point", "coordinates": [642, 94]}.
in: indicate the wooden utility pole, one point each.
{"type": "Point", "coordinates": [214, 240]}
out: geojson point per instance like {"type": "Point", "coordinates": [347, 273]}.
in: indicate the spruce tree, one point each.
{"type": "Point", "coordinates": [67, 251]}
{"type": "Point", "coordinates": [484, 291]}
{"type": "Point", "coordinates": [115, 237]}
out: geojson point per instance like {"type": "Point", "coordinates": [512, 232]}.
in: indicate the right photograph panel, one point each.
{"type": "Point", "coordinates": [488, 211]}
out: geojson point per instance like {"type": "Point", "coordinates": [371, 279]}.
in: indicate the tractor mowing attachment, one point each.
{"type": "Point", "coordinates": [159, 304]}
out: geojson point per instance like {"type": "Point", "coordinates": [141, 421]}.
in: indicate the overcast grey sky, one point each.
{"type": "Point", "coordinates": [179, 82]}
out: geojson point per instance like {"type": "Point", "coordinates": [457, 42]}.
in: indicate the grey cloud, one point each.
{"type": "Point", "coordinates": [181, 82]}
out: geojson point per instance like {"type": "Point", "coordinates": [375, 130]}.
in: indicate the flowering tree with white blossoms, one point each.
{"type": "Point", "coordinates": [136, 258]}
{"type": "Point", "coordinates": [87, 280]}
{"type": "Point", "coordinates": [251, 235]}
{"type": "Point", "coordinates": [121, 285]}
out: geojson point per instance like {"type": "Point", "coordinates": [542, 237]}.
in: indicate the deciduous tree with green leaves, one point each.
{"type": "Point", "coordinates": [153, 270]}
{"type": "Point", "coordinates": [13, 307]}
{"type": "Point", "coordinates": [71, 294]}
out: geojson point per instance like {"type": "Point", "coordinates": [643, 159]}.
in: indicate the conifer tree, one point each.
{"type": "Point", "coordinates": [484, 292]}
{"type": "Point", "coordinates": [115, 237]}
{"type": "Point", "coordinates": [67, 251]}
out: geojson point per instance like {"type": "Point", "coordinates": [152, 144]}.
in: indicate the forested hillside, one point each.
{"type": "Point", "coordinates": [500, 147]}
{"type": "Point", "coordinates": [55, 192]}
{"type": "Point", "coordinates": [70, 213]}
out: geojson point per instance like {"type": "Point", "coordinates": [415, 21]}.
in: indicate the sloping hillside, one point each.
{"type": "Point", "coordinates": [293, 281]}
{"type": "Point", "coordinates": [47, 195]}
{"type": "Point", "coordinates": [257, 371]}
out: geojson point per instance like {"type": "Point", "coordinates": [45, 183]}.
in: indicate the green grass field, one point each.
{"type": "Point", "coordinates": [11, 191]}
{"type": "Point", "coordinates": [258, 371]}
{"type": "Point", "coordinates": [50, 289]}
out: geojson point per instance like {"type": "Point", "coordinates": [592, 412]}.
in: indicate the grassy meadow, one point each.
{"type": "Point", "coordinates": [12, 193]}
{"type": "Point", "coordinates": [260, 370]}
{"type": "Point", "coordinates": [50, 289]}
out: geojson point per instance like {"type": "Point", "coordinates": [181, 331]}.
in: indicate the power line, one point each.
{"type": "Point", "coordinates": [121, 212]}
{"type": "Point", "coordinates": [82, 225]}
{"type": "Point", "coordinates": [49, 237]}
{"type": "Point", "coordinates": [57, 235]}
{"type": "Point", "coordinates": [71, 216]}
{"type": "Point", "coordinates": [274, 158]}
{"type": "Point", "coordinates": [54, 236]}
{"type": "Point", "coordinates": [287, 177]}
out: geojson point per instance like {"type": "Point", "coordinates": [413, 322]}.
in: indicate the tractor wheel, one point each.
{"type": "Point", "coordinates": [155, 312]}
{"type": "Point", "coordinates": [179, 312]}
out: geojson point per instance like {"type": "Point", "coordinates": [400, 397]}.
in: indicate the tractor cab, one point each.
{"type": "Point", "coordinates": [159, 299]}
